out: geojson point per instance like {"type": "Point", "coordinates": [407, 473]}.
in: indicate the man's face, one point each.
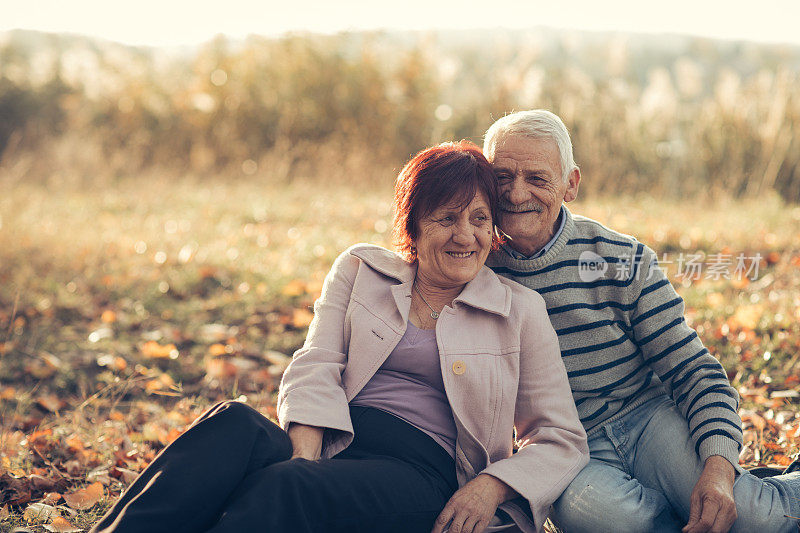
{"type": "Point", "coordinates": [531, 190]}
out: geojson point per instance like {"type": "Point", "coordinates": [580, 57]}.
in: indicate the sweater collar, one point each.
{"type": "Point", "coordinates": [486, 292]}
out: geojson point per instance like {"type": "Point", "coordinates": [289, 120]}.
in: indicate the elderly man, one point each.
{"type": "Point", "coordinates": [660, 413]}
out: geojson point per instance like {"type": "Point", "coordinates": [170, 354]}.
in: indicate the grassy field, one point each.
{"type": "Point", "coordinates": [125, 312]}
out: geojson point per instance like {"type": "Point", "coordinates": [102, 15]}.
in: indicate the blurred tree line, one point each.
{"type": "Point", "coordinates": [664, 114]}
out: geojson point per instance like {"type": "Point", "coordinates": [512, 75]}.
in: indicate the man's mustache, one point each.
{"type": "Point", "coordinates": [531, 205]}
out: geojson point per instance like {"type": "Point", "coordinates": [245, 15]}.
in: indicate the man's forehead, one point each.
{"type": "Point", "coordinates": [513, 150]}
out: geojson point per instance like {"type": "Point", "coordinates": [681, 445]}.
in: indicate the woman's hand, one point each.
{"type": "Point", "coordinates": [306, 441]}
{"type": "Point", "coordinates": [472, 506]}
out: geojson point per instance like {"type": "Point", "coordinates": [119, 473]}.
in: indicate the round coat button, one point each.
{"type": "Point", "coordinates": [459, 368]}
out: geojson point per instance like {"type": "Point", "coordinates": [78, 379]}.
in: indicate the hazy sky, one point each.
{"type": "Point", "coordinates": [175, 22]}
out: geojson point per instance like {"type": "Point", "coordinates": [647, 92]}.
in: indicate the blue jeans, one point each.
{"type": "Point", "coordinates": [641, 474]}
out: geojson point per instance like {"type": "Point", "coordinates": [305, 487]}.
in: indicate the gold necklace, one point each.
{"type": "Point", "coordinates": [434, 314]}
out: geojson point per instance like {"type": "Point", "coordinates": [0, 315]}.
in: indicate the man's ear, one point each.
{"type": "Point", "coordinates": [573, 182]}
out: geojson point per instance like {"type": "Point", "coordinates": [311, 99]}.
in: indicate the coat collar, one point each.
{"type": "Point", "coordinates": [485, 292]}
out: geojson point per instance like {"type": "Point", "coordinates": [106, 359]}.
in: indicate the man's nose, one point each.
{"type": "Point", "coordinates": [517, 193]}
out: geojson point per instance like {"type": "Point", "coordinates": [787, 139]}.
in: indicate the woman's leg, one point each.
{"type": "Point", "coordinates": [186, 486]}
{"type": "Point", "coordinates": [393, 478]}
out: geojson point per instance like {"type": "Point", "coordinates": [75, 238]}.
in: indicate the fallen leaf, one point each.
{"type": "Point", "coordinates": [154, 350]}
{"type": "Point", "coordinates": [61, 525]}
{"type": "Point", "coordinates": [51, 402]}
{"type": "Point", "coordinates": [301, 318]}
{"type": "Point", "coordinates": [108, 316]}
{"type": "Point", "coordinates": [99, 475]}
{"type": "Point", "coordinates": [51, 498]}
{"type": "Point", "coordinates": [785, 394]}
{"type": "Point", "coordinates": [160, 385]}
{"type": "Point", "coordinates": [40, 511]}
{"type": "Point", "coordinates": [40, 437]}
{"type": "Point", "coordinates": [126, 475]}
{"type": "Point", "coordinates": [73, 467]}
{"type": "Point", "coordinates": [217, 349]}
{"type": "Point", "coordinates": [8, 393]}
{"type": "Point", "coordinates": [296, 287]}
{"type": "Point", "coordinates": [4, 512]}
{"type": "Point", "coordinates": [782, 459]}
{"type": "Point", "coordinates": [218, 368]}
{"type": "Point", "coordinates": [42, 483]}
{"type": "Point", "coordinates": [86, 497]}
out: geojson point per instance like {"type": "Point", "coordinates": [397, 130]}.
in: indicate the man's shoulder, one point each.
{"type": "Point", "coordinates": [588, 228]}
{"type": "Point", "coordinates": [604, 240]}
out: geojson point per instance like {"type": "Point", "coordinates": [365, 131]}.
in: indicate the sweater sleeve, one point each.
{"type": "Point", "coordinates": [551, 439]}
{"type": "Point", "coordinates": [311, 388]}
{"type": "Point", "coordinates": [695, 378]}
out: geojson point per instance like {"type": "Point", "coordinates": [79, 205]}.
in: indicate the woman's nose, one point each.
{"type": "Point", "coordinates": [463, 233]}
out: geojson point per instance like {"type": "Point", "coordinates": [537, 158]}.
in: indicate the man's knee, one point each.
{"type": "Point", "coordinates": [585, 507]}
{"type": "Point", "coordinates": [767, 505]}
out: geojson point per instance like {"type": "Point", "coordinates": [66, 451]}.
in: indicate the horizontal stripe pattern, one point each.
{"type": "Point", "coordinates": [623, 335]}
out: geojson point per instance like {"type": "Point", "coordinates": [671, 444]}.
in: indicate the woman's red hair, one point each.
{"type": "Point", "coordinates": [445, 174]}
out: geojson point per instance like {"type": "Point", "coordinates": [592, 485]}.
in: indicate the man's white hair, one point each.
{"type": "Point", "coordinates": [536, 124]}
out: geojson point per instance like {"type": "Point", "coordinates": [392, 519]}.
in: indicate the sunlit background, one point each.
{"type": "Point", "coordinates": [180, 22]}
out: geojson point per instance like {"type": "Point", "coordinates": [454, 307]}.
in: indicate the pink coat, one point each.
{"type": "Point", "coordinates": [500, 363]}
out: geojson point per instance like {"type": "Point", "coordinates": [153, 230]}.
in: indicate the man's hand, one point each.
{"type": "Point", "coordinates": [472, 506]}
{"type": "Point", "coordinates": [713, 509]}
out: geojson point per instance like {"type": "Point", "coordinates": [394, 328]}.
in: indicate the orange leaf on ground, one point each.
{"type": "Point", "coordinates": [782, 459]}
{"type": "Point", "coordinates": [108, 316]}
{"type": "Point", "coordinates": [220, 368]}
{"type": "Point", "coordinates": [126, 475]}
{"type": "Point", "coordinates": [39, 511]}
{"type": "Point", "coordinates": [217, 349]}
{"type": "Point", "coordinates": [61, 525]}
{"type": "Point", "coordinates": [154, 350]}
{"type": "Point", "coordinates": [40, 437]}
{"type": "Point", "coordinates": [301, 318]}
{"type": "Point", "coordinates": [51, 402]}
{"type": "Point", "coordinates": [160, 384]}
{"type": "Point", "coordinates": [4, 512]}
{"type": "Point", "coordinates": [86, 497]}
{"type": "Point", "coordinates": [296, 287]}
{"type": "Point", "coordinates": [51, 498]}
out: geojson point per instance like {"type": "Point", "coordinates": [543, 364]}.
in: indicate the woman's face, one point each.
{"type": "Point", "coordinates": [453, 243]}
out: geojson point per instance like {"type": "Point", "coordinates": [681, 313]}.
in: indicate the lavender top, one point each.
{"type": "Point", "coordinates": [409, 385]}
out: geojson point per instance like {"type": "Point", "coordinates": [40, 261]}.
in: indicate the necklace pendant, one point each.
{"type": "Point", "coordinates": [434, 315]}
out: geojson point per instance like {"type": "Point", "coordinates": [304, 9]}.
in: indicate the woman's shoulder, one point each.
{"type": "Point", "coordinates": [380, 259]}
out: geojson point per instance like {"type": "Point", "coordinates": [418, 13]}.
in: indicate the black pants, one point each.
{"type": "Point", "coordinates": [230, 472]}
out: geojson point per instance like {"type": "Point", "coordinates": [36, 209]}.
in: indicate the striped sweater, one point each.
{"type": "Point", "coordinates": [623, 336]}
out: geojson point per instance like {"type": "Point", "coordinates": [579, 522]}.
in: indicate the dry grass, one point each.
{"type": "Point", "coordinates": [126, 310]}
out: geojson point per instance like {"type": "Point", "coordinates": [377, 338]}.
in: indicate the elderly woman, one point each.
{"type": "Point", "coordinates": [401, 408]}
